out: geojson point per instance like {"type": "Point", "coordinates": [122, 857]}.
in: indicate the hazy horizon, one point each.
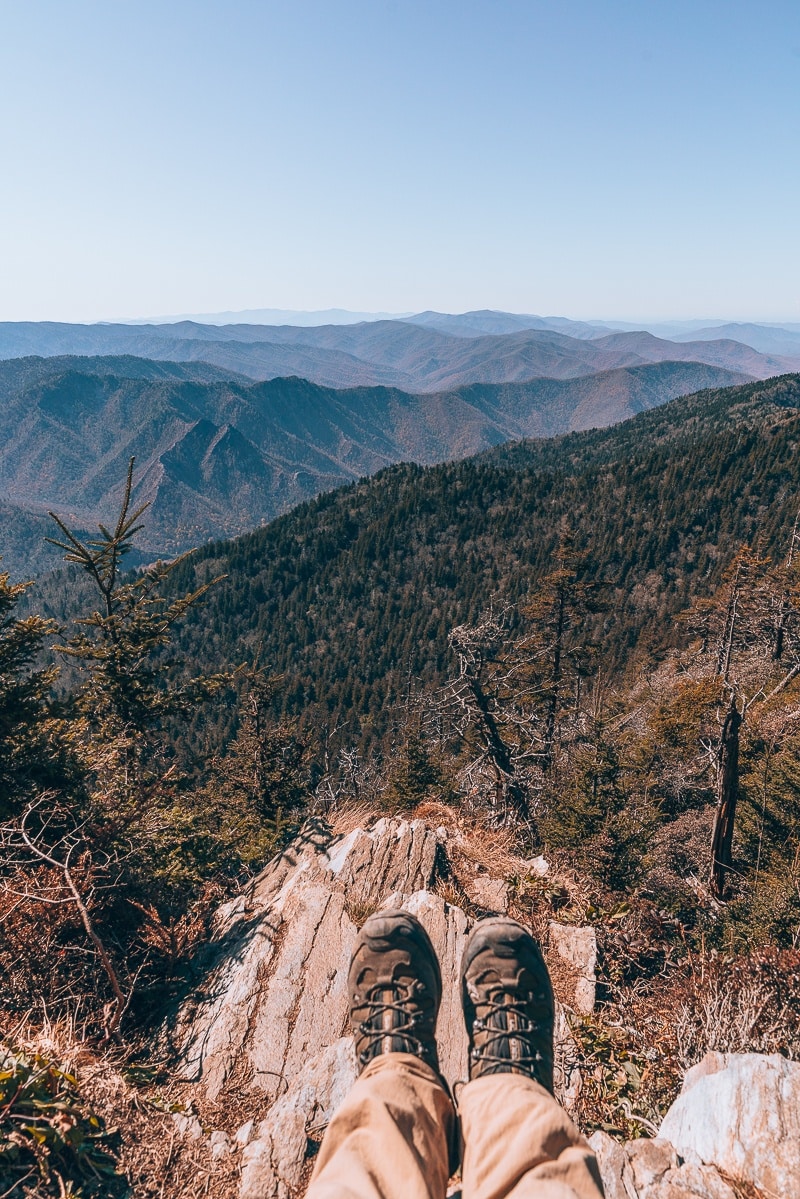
{"type": "Point", "coordinates": [342, 316]}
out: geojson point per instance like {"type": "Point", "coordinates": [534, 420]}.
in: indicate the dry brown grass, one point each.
{"type": "Point", "coordinates": [482, 849]}
{"type": "Point", "coordinates": [744, 1190]}
{"type": "Point", "coordinates": [744, 1005]}
{"type": "Point", "coordinates": [157, 1162]}
{"type": "Point", "coordinates": [359, 910]}
{"type": "Point", "coordinates": [452, 893]}
{"type": "Point", "coordinates": [436, 814]}
{"type": "Point", "coordinates": [351, 815]}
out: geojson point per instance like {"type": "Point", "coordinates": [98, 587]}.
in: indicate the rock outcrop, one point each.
{"type": "Point", "coordinates": [576, 946]}
{"type": "Point", "coordinates": [270, 1018]}
{"type": "Point", "coordinates": [266, 1033]}
{"type": "Point", "coordinates": [741, 1111]}
{"type": "Point", "coordinates": [652, 1169]}
{"type": "Point", "coordinates": [734, 1130]}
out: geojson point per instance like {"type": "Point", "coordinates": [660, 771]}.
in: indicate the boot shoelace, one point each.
{"type": "Point", "coordinates": [490, 1053]}
{"type": "Point", "coordinates": [374, 1031]}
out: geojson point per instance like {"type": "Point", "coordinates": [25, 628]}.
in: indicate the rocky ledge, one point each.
{"type": "Point", "coordinates": [265, 1033]}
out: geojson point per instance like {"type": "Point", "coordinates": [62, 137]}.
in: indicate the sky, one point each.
{"type": "Point", "coordinates": [599, 159]}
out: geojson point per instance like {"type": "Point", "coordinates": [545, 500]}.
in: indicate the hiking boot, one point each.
{"type": "Point", "coordinates": [395, 988]}
{"type": "Point", "coordinates": [508, 1002]}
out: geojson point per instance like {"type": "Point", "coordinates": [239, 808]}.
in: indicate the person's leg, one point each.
{"type": "Point", "coordinates": [391, 1136]}
{"type": "Point", "coordinates": [518, 1142]}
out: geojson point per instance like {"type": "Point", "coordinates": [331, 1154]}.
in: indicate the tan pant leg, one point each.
{"type": "Point", "coordinates": [390, 1137]}
{"type": "Point", "coordinates": [520, 1144]}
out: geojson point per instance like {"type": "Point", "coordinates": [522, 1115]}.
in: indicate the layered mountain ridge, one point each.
{"type": "Point", "coordinates": [403, 354]}
{"type": "Point", "coordinates": [216, 456]}
{"type": "Point", "coordinates": [353, 595]}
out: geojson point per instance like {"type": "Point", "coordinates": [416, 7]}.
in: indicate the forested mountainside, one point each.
{"type": "Point", "coordinates": [216, 456]}
{"type": "Point", "coordinates": [352, 597]}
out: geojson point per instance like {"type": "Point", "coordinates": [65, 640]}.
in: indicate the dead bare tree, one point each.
{"type": "Point", "coordinates": [751, 633]}
{"type": "Point", "coordinates": [351, 778]}
{"type": "Point", "coordinates": [474, 694]}
{"type": "Point", "coordinates": [727, 795]}
{"type": "Point", "coordinates": [44, 836]}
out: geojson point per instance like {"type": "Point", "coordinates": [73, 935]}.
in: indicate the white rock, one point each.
{"type": "Point", "coordinates": [649, 1161]}
{"type": "Point", "coordinates": [741, 1112]}
{"type": "Point", "coordinates": [187, 1125]}
{"type": "Point", "coordinates": [220, 1144]}
{"type": "Point", "coordinates": [566, 1062]}
{"type": "Point", "coordinates": [538, 866]}
{"type": "Point", "coordinates": [273, 1162]}
{"type": "Point", "coordinates": [244, 1135]}
{"type": "Point", "coordinates": [692, 1182]}
{"type": "Point", "coordinates": [651, 1169]}
{"type": "Point", "coordinates": [613, 1162]}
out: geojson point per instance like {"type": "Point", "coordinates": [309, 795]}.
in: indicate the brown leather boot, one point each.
{"type": "Point", "coordinates": [395, 988]}
{"type": "Point", "coordinates": [508, 1002]}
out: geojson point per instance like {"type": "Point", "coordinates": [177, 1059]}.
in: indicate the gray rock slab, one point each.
{"type": "Point", "coordinates": [576, 945]}
{"type": "Point", "coordinates": [741, 1112]}
{"type": "Point", "coordinates": [613, 1162]}
{"type": "Point", "coordinates": [652, 1169]}
{"type": "Point", "coordinates": [649, 1161]}
{"type": "Point", "coordinates": [273, 1163]}
{"type": "Point", "coordinates": [693, 1182]}
{"type": "Point", "coordinates": [488, 893]}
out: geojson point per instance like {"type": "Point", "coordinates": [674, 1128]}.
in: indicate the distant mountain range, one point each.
{"type": "Point", "coordinates": [233, 424]}
{"type": "Point", "coordinates": [767, 339]}
{"type": "Point", "coordinates": [275, 316]}
{"type": "Point", "coordinates": [488, 320]}
{"type": "Point", "coordinates": [429, 353]}
{"type": "Point", "coordinates": [217, 455]}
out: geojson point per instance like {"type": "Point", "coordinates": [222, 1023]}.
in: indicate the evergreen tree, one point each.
{"type": "Point", "coordinates": [552, 658]}
{"type": "Point", "coordinates": [33, 755]}
{"type": "Point", "coordinates": [128, 686]}
{"type": "Point", "coordinates": [106, 847]}
{"type": "Point", "coordinates": [258, 789]}
{"type": "Point", "coordinates": [267, 762]}
{"type": "Point", "coordinates": [414, 771]}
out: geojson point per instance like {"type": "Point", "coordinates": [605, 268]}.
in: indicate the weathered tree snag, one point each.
{"type": "Point", "coordinates": [497, 751]}
{"type": "Point", "coordinates": [555, 680]}
{"type": "Point", "coordinates": [727, 795]}
{"type": "Point", "coordinates": [725, 651]}
{"type": "Point", "coordinates": [476, 647]}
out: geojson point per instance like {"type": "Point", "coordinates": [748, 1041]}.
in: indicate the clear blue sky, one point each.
{"type": "Point", "coordinates": [630, 159]}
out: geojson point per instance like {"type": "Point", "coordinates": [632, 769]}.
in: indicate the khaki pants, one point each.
{"type": "Point", "coordinates": [390, 1138]}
